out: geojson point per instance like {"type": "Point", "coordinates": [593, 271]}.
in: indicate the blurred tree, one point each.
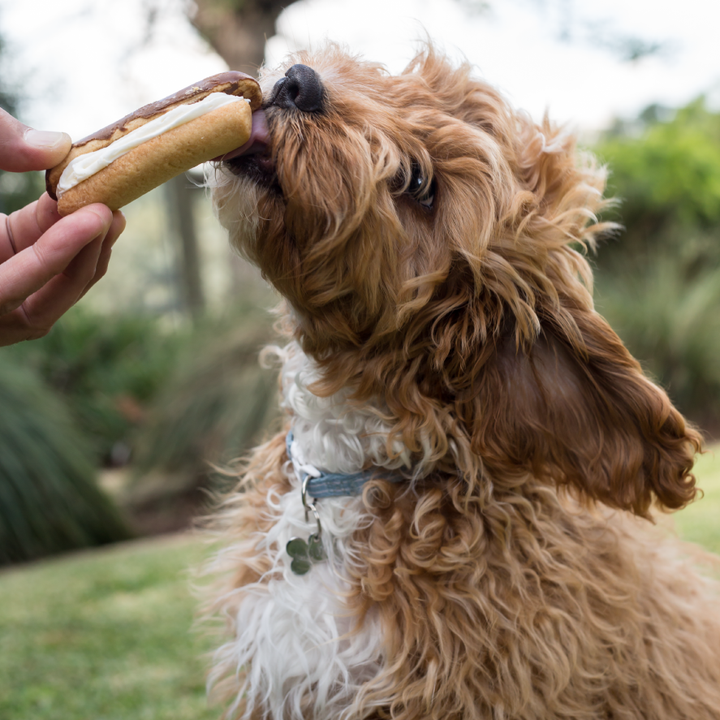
{"type": "Point", "coordinates": [180, 197]}
{"type": "Point", "coordinates": [238, 29]}
{"type": "Point", "coordinates": [583, 24]}
{"type": "Point", "coordinates": [659, 284]}
{"type": "Point", "coordinates": [665, 168]}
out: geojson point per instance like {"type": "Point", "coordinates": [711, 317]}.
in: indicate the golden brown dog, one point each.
{"type": "Point", "coordinates": [480, 454]}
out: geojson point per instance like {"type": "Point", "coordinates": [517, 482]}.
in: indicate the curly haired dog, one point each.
{"type": "Point", "coordinates": [494, 450]}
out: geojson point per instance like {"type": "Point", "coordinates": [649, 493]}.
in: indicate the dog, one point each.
{"type": "Point", "coordinates": [456, 519]}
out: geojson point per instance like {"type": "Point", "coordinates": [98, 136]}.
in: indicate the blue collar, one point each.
{"type": "Point", "coordinates": [337, 484]}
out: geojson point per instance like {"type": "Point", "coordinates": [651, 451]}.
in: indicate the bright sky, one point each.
{"type": "Point", "coordinates": [83, 63]}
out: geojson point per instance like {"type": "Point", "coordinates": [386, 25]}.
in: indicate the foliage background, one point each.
{"type": "Point", "coordinates": [658, 282]}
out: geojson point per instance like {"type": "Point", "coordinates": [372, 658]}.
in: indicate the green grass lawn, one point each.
{"type": "Point", "coordinates": [103, 635]}
{"type": "Point", "coordinates": [106, 634]}
{"type": "Point", "coordinates": [700, 522]}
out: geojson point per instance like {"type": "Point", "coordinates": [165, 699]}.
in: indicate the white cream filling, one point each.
{"type": "Point", "coordinates": [86, 165]}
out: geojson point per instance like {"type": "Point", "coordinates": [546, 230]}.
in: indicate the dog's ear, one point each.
{"type": "Point", "coordinates": [576, 409]}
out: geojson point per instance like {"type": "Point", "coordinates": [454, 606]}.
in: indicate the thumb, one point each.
{"type": "Point", "coordinates": [23, 149]}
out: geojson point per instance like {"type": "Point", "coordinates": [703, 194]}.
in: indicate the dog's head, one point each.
{"type": "Point", "coordinates": [427, 238]}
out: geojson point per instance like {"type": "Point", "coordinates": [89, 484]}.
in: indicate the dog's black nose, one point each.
{"type": "Point", "coordinates": [301, 88]}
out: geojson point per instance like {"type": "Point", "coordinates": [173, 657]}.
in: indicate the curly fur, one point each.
{"type": "Point", "coordinates": [513, 574]}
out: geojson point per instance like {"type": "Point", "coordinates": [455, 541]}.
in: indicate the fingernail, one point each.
{"type": "Point", "coordinates": [46, 139]}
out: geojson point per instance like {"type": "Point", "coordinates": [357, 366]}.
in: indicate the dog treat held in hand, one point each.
{"type": "Point", "coordinates": [123, 161]}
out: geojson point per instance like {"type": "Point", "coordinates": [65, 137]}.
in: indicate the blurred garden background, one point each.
{"type": "Point", "coordinates": [112, 426]}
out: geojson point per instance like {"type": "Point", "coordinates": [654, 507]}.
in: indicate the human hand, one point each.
{"type": "Point", "coordinates": [47, 262]}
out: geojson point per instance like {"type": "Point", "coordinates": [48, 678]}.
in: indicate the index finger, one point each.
{"type": "Point", "coordinates": [22, 228]}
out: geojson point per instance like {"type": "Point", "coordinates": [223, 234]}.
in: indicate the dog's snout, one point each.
{"type": "Point", "coordinates": [301, 88]}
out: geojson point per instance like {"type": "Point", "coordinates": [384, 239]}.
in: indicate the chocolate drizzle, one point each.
{"type": "Point", "coordinates": [231, 82]}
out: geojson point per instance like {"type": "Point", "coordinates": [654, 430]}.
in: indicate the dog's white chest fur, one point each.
{"type": "Point", "coordinates": [295, 635]}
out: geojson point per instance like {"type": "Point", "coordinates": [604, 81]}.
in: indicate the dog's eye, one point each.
{"type": "Point", "coordinates": [420, 188]}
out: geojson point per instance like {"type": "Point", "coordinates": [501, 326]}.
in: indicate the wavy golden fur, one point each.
{"type": "Point", "coordinates": [515, 573]}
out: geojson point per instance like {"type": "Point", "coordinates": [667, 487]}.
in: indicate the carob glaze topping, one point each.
{"type": "Point", "coordinates": [231, 82]}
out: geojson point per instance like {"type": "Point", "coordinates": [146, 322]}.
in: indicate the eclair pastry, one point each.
{"type": "Point", "coordinates": [130, 157]}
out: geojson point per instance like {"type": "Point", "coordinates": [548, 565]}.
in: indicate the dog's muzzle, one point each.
{"type": "Point", "coordinates": [300, 89]}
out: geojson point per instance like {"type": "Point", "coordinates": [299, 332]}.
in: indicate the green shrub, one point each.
{"type": "Point", "coordinates": [659, 282]}
{"type": "Point", "coordinates": [667, 177]}
{"type": "Point", "coordinates": [214, 408]}
{"type": "Point", "coordinates": [108, 369]}
{"type": "Point", "coordinates": [670, 320]}
{"type": "Point", "coordinates": [49, 501]}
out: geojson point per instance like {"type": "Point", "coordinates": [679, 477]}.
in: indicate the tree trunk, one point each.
{"type": "Point", "coordinates": [180, 202]}
{"type": "Point", "coordinates": [237, 29]}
